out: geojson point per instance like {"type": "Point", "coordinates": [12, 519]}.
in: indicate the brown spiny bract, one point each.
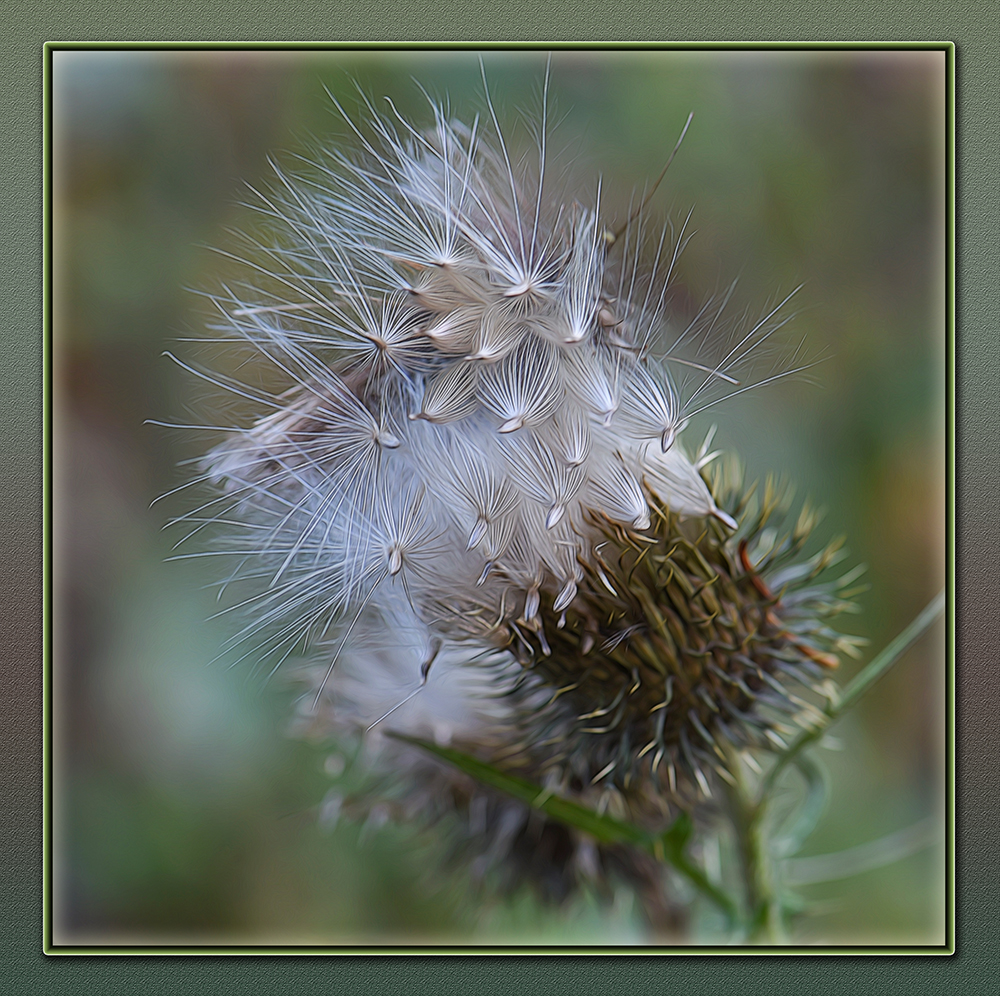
{"type": "Point", "coordinates": [688, 648]}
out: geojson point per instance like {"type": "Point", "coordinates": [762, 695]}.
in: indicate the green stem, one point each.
{"type": "Point", "coordinates": [764, 923]}
{"type": "Point", "coordinates": [764, 911]}
{"type": "Point", "coordinates": [670, 847]}
{"type": "Point", "coordinates": [861, 683]}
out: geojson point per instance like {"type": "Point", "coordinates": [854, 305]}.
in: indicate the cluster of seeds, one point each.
{"type": "Point", "coordinates": [471, 459]}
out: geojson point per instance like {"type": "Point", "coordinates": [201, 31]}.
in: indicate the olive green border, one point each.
{"type": "Point", "coordinates": [976, 431]}
{"type": "Point", "coordinates": [485, 949]}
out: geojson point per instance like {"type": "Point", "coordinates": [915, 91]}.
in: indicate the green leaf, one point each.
{"type": "Point", "coordinates": [811, 809]}
{"type": "Point", "coordinates": [604, 829]}
{"type": "Point", "coordinates": [865, 857]}
{"type": "Point", "coordinates": [668, 846]}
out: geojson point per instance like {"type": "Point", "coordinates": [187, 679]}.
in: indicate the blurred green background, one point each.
{"type": "Point", "coordinates": [183, 811]}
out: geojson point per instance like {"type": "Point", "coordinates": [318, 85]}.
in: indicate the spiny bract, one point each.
{"type": "Point", "coordinates": [686, 648]}
{"type": "Point", "coordinates": [471, 468]}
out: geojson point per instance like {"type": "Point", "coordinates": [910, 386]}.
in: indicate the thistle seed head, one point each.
{"type": "Point", "coordinates": [473, 464]}
{"type": "Point", "coordinates": [687, 650]}
{"type": "Point", "coordinates": [683, 645]}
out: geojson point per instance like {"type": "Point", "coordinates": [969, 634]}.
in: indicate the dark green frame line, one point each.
{"type": "Point", "coordinates": [48, 945]}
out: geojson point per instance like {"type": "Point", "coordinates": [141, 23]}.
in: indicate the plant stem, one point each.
{"type": "Point", "coordinates": [764, 924]}
{"type": "Point", "coordinates": [858, 686]}
{"type": "Point", "coordinates": [665, 847]}
{"type": "Point", "coordinates": [763, 903]}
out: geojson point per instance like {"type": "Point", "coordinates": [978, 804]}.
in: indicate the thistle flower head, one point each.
{"type": "Point", "coordinates": [686, 651]}
{"type": "Point", "coordinates": [474, 466]}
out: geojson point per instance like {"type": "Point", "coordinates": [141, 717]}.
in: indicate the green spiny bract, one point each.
{"type": "Point", "coordinates": [689, 648]}
{"type": "Point", "coordinates": [684, 644]}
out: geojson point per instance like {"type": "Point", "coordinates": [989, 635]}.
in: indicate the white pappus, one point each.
{"type": "Point", "coordinates": [471, 366]}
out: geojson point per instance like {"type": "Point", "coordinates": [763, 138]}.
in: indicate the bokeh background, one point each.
{"type": "Point", "coordinates": [183, 811]}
